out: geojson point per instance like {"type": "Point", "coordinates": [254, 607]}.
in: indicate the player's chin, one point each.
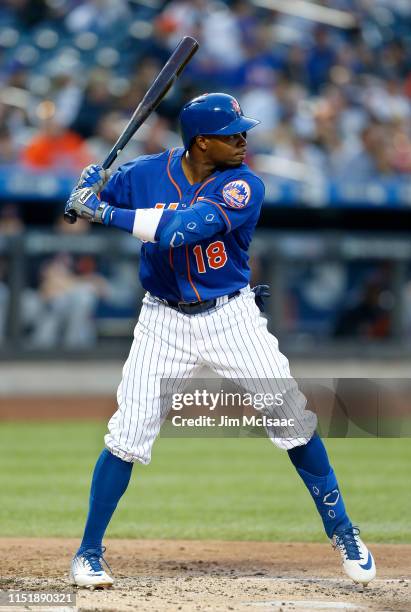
{"type": "Point", "coordinates": [235, 161]}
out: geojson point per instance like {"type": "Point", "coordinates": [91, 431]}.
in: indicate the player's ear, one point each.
{"type": "Point", "coordinates": [201, 142]}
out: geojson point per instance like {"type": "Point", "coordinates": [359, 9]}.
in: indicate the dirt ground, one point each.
{"type": "Point", "coordinates": [169, 575]}
{"type": "Point", "coordinates": [191, 576]}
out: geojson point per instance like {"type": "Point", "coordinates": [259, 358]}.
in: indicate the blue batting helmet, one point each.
{"type": "Point", "coordinates": [214, 113]}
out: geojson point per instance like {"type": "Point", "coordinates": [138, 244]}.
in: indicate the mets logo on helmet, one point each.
{"type": "Point", "coordinates": [237, 194]}
{"type": "Point", "coordinates": [236, 106]}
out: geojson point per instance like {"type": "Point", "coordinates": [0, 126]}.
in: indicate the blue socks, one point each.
{"type": "Point", "coordinates": [110, 480]}
{"type": "Point", "coordinates": [311, 457]}
{"type": "Point", "coordinates": [312, 464]}
{"type": "Point", "coordinates": [112, 475]}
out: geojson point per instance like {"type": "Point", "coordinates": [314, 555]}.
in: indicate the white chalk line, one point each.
{"type": "Point", "coordinates": [283, 604]}
{"type": "Point", "coordinates": [341, 581]}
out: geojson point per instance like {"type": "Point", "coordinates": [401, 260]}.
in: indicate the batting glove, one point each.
{"type": "Point", "coordinates": [95, 177]}
{"type": "Point", "coordinates": [86, 205]}
{"type": "Point", "coordinates": [261, 292]}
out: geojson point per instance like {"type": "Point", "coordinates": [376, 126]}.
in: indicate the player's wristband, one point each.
{"type": "Point", "coordinates": [142, 222]}
{"type": "Point", "coordinates": [103, 213]}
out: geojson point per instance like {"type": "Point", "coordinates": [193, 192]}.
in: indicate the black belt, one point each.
{"type": "Point", "coordinates": [191, 308]}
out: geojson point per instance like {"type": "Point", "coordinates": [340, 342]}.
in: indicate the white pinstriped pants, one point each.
{"type": "Point", "coordinates": [232, 339]}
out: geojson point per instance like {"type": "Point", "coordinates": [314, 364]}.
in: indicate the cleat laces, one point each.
{"type": "Point", "coordinates": [346, 541]}
{"type": "Point", "coordinates": [94, 557]}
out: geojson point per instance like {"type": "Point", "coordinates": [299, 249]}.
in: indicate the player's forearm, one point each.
{"type": "Point", "coordinates": [169, 228]}
{"type": "Point", "coordinates": [142, 222]}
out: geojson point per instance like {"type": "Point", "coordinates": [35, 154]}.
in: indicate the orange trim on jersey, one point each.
{"type": "Point", "coordinates": [189, 275]}
{"type": "Point", "coordinates": [221, 209]}
{"type": "Point", "coordinates": [180, 195]}
{"type": "Point", "coordinates": [202, 187]}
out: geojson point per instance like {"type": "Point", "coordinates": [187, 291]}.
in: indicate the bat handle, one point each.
{"type": "Point", "coordinates": [111, 157]}
{"type": "Point", "coordinates": [70, 217]}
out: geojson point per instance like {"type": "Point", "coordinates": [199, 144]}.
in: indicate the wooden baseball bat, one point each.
{"type": "Point", "coordinates": [180, 57]}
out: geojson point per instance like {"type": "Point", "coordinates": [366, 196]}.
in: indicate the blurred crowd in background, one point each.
{"type": "Point", "coordinates": [334, 104]}
{"type": "Point", "coordinates": [337, 100]}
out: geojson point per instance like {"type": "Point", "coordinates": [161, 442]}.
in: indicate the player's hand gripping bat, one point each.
{"type": "Point", "coordinates": [175, 65]}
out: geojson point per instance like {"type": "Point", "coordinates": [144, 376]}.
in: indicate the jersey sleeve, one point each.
{"type": "Point", "coordinates": [237, 200]}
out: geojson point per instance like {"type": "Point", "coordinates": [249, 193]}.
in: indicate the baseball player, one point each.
{"type": "Point", "coordinates": [195, 208]}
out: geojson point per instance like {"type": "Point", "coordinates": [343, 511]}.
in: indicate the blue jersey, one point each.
{"type": "Point", "coordinates": [208, 268]}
